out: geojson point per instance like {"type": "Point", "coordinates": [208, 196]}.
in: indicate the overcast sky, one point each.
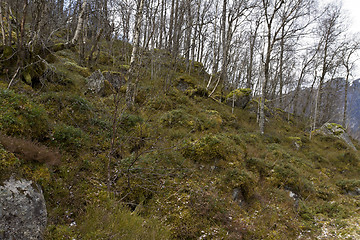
{"type": "Point", "coordinates": [353, 9]}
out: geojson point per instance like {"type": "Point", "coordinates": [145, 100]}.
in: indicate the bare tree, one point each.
{"type": "Point", "coordinates": [329, 30]}
{"type": "Point", "coordinates": [280, 21]}
{"type": "Point", "coordinates": [349, 48]}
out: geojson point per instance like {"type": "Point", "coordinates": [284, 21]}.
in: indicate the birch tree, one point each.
{"type": "Point", "coordinates": [131, 85]}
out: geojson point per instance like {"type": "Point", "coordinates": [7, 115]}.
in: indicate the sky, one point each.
{"type": "Point", "coordinates": [352, 7]}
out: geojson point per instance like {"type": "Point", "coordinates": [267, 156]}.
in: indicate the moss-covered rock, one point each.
{"type": "Point", "coordinates": [336, 130]}
{"type": "Point", "coordinates": [239, 97]}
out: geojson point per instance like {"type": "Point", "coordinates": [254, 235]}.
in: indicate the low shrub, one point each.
{"type": "Point", "coordinates": [129, 121]}
{"type": "Point", "coordinates": [176, 118]}
{"type": "Point", "coordinates": [211, 148]}
{"type": "Point", "coordinates": [70, 138]}
{"type": "Point", "coordinates": [349, 158]}
{"type": "Point", "coordinates": [260, 165]}
{"type": "Point", "coordinates": [349, 185]}
{"type": "Point", "coordinates": [242, 181]}
{"type": "Point", "coordinates": [20, 116]}
{"type": "Point", "coordinates": [287, 175]}
{"type": "Point", "coordinates": [114, 221]}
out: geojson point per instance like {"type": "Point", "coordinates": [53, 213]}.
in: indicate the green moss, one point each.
{"type": "Point", "coordinates": [213, 119]}
{"type": "Point", "coordinates": [108, 89]}
{"type": "Point", "coordinates": [27, 78]}
{"type": "Point", "coordinates": [211, 149]}
{"type": "Point", "coordinates": [187, 79]}
{"type": "Point", "coordinates": [197, 91]}
{"type": "Point", "coordinates": [129, 121]}
{"type": "Point", "coordinates": [9, 164]}
{"type": "Point", "coordinates": [175, 118]}
{"type": "Point", "coordinates": [241, 180]}
{"type": "Point", "coordinates": [6, 52]}
{"type": "Point", "coordinates": [338, 133]}
{"type": "Point", "coordinates": [240, 92]}
{"type": "Point", "coordinates": [332, 125]}
{"type": "Point", "coordinates": [83, 71]}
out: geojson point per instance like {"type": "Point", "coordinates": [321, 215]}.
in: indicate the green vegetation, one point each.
{"type": "Point", "coordinates": [178, 165]}
{"type": "Point", "coordinates": [239, 92]}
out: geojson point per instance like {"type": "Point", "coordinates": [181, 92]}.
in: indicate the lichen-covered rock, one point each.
{"type": "Point", "coordinates": [116, 79]}
{"type": "Point", "coordinates": [338, 131]}
{"type": "Point", "coordinates": [96, 81]}
{"type": "Point", "coordinates": [105, 83]}
{"type": "Point", "coordinates": [23, 213]}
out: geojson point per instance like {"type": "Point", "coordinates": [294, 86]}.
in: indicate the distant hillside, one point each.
{"type": "Point", "coordinates": [354, 110]}
{"type": "Point", "coordinates": [332, 107]}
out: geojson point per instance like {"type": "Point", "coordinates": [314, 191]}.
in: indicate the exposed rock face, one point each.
{"type": "Point", "coordinates": [96, 81]}
{"type": "Point", "coordinates": [116, 79]}
{"type": "Point", "coordinates": [103, 82]}
{"type": "Point", "coordinates": [23, 213]}
{"type": "Point", "coordinates": [338, 131]}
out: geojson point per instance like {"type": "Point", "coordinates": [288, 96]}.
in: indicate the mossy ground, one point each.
{"type": "Point", "coordinates": [170, 167]}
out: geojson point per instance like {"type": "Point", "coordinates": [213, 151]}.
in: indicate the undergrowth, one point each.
{"type": "Point", "coordinates": [179, 165]}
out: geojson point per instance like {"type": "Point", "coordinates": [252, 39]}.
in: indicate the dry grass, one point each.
{"type": "Point", "coordinates": [30, 151]}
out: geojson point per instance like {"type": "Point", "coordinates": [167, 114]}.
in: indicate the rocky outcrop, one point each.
{"type": "Point", "coordinates": [338, 131]}
{"type": "Point", "coordinates": [96, 82]}
{"type": "Point", "coordinates": [23, 213]}
{"type": "Point", "coordinates": [104, 83]}
{"type": "Point", "coordinates": [239, 97]}
{"type": "Point", "coordinates": [116, 79]}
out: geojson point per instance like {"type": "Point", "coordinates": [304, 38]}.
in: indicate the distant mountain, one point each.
{"type": "Point", "coordinates": [332, 104]}
{"type": "Point", "coordinates": [354, 109]}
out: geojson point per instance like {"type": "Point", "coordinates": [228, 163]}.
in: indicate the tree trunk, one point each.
{"type": "Point", "coordinates": [162, 24]}
{"type": "Point", "coordinates": [281, 66]}
{"type": "Point", "coordinates": [188, 34]}
{"type": "Point", "coordinates": [21, 46]}
{"type": "Point", "coordinates": [345, 97]}
{"type": "Point", "coordinates": [94, 46]}
{"type": "Point", "coordinates": [2, 26]}
{"type": "Point", "coordinates": [224, 43]}
{"type": "Point", "coordinates": [79, 25]}
{"type": "Point", "coordinates": [130, 91]}
{"type": "Point", "coordinates": [171, 26]}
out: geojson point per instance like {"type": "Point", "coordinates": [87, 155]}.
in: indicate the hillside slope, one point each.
{"type": "Point", "coordinates": [179, 165]}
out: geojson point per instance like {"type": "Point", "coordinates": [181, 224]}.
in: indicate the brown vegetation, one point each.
{"type": "Point", "coordinates": [30, 151]}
